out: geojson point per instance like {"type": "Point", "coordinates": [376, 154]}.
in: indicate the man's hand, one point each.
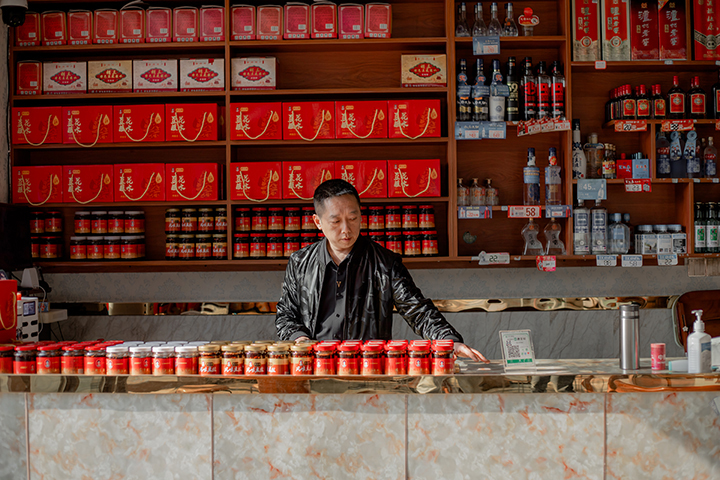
{"type": "Point", "coordinates": [301, 339]}
{"type": "Point", "coordinates": [462, 350]}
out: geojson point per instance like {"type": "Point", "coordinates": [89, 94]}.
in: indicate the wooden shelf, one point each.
{"type": "Point", "coordinates": [164, 96]}
{"type": "Point", "coordinates": [646, 66]}
{"type": "Point", "coordinates": [170, 47]}
{"type": "Point", "coordinates": [125, 205]}
{"type": "Point", "coordinates": [365, 201]}
{"type": "Point", "coordinates": [367, 44]}
{"type": "Point", "coordinates": [405, 91]}
{"type": "Point", "coordinates": [697, 121]}
{"type": "Point", "coordinates": [621, 181]}
{"type": "Point", "coordinates": [143, 145]}
{"type": "Point", "coordinates": [543, 41]}
{"type": "Point", "coordinates": [341, 141]}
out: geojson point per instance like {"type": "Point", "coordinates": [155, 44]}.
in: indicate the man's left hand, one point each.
{"type": "Point", "coordinates": [462, 350]}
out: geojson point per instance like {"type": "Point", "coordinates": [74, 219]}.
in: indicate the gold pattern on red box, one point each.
{"type": "Point", "coordinates": [300, 179]}
{"type": "Point", "coordinates": [139, 123]}
{"type": "Point", "coordinates": [366, 119]}
{"type": "Point", "coordinates": [673, 43]}
{"type": "Point", "coordinates": [256, 121]}
{"type": "Point", "coordinates": [37, 186]}
{"type": "Point", "coordinates": [36, 125]}
{"type": "Point", "coordinates": [28, 34]}
{"type": "Point", "coordinates": [308, 121]}
{"type": "Point", "coordinates": [413, 119]}
{"type": "Point", "coordinates": [191, 122]}
{"type": "Point", "coordinates": [414, 178]}
{"type": "Point", "coordinates": [87, 126]}
{"type": "Point", "coordinates": [369, 177]}
{"type": "Point", "coordinates": [256, 181]}
{"type": "Point", "coordinates": [88, 184]}
{"type": "Point", "coordinates": [140, 182]}
{"type": "Point", "coordinates": [191, 181]}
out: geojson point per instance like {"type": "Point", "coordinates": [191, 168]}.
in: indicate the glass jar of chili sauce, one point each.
{"type": "Point", "coordinates": [141, 360]}
{"type": "Point", "coordinates": [419, 357]}
{"type": "Point", "coordinates": [48, 359]}
{"type": "Point", "coordinates": [256, 359]}
{"type": "Point", "coordinates": [325, 359]}
{"type": "Point", "coordinates": [397, 360]}
{"type": "Point", "coordinates": [233, 359]}
{"type": "Point", "coordinates": [163, 360]}
{"type": "Point", "coordinates": [24, 361]}
{"type": "Point", "coordinates": [301, 359]}
{"type": "Point", "coordinates": [117, 360]}
{"type": "Point", "coordinates": [373, 354]}
{"type": "Point", "coordinates": [6, 359]}
{"type": "Point", "coordinates": [348, 358]}
{"type": "Point", "coordinates": [73, 359]}
{"type": "Point", "coordinates": [443, 360]}
{"type": "Point", "coordinates": [95, 361]}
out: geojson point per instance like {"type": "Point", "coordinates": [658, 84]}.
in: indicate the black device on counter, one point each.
{"type": "Point", "coordinates": [15, 245]}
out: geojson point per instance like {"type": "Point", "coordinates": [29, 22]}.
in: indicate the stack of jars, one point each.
{"type": "Point", "coordinates": [196, 233]}
{"type": "Point", "coordinates": [407, 230]}
{"type": "Point", "coordinates": [103, 235]}
{"type": "Point", "coordinates": [46, 235]}
{"type": "Point", "coordinates": [272, 232]}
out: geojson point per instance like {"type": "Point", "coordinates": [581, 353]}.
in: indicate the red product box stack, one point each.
{"type": "Point", "coordinates": [256, 121]}
{"type": "Point", "coordinates": [308, 121]}
{"type": "Point", "coordinates": [139, 123]}
{"type": "Point", "coordinates": [88, 184]}
{"type": "Point", "coordinates": [37, 185]}
{"type": "Point", "coordinates": [140, 182]}
{"type": "Point", "coordinates": [185, 24]}
{"type": "Point", "coordinates": [324, 20]}
{"type": "Point", "coordinates": [269, 22]}
{"type": "Point", "coordinates": [106, 26]}
{"type": "Point", "coordinates": [87, 126]}
{"type": "Point", "coordinates": [256, 181]}
{"type": "Point", "coordinates": [191, 182]}
{"type": "Point", "coordinates": [300, 179]}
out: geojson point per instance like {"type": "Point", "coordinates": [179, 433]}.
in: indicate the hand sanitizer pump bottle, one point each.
{"type": "Point", "coordinates": [699, 347]}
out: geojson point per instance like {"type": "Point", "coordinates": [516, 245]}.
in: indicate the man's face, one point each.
{"type": "Point", "coordinates": [340, 222]}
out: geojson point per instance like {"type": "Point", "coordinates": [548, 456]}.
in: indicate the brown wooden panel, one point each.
{"type": "Point", "coordinates": [664, 205]}
{"type": "Point", "coordinates": [418, 19]}
{"type": "Point", "coordinates": [97, 155]}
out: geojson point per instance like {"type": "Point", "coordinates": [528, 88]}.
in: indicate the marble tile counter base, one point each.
{"type": "Point", "coordinates": [13, 451]}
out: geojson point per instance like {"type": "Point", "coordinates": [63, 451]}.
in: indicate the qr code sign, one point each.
{"type": "Point", "coordinates": [513, 351]}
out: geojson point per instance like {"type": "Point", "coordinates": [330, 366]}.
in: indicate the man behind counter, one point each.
{"type": "Point", "coordinates": [344, 286]}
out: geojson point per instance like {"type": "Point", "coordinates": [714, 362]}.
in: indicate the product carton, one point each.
{"type": "Point", "coordinates": [256, 181]}
{"type": "Point", "coordinates": [29, 78]}
{"type": "Point", "coordinates": [645, 37]}
{"type": "Point", "coordinates": [139, 123]}
{"type": "Point", "coordinates": [36, 125]}
{"type": "Point", "coordinates": [256, 121]}
{"type": "Point", "coordinates": [378, 20]}
{"type": "Point", "coordinates": [368, 177]}
{"type": "Point", "coordinates": [414, 118]}
{"type": "Point", "coordinates": [707, 30]}
{"type": "Point", "coordinates": [8, 311]}
{"type": "Point", "coordinates": [28, 34]}
{"type": "Point", "coordinates": [324, 20]}
{"type": "Point", "coordinates": [254, 73]}
{"type": "Point", "coordinates": [54, 28]}
{"type": "Point", "coordinates": [351, 21]}
{"type": "Point", "coordinates": [37, 185]}
{"type": "Point", "coordinates": [616, 30]}
{"type": "Point", "coordinates": [113, 76]}
{"type": "Point", "coordinates": [69, 77]}
{"type": "Point", "coordinates": [88, 184]}
{"type": "Point", "coordinates": [80, 27]}
{"type": "Point", "coordinates": [155, 75]}
{"type": "Point", "coordinates": [300, 179]}
{"type": "Point", "coordinates": [132, 25]}
{"type": "Point", "coordinates": [624, 168]}
{"type": "Point", "coordinates": [423, 71]}
{"type": "Point", "coordinates": [363, 119]}
{"type": "Point", "coordinates": [204, 74]}
{"type": "Point", "coordinates": [414, 178]}
{"type": "Point", "coordinates": [297, 21]}
{"type": "Point", "coordinates": [269, 22]}
{"type": "Point", "coordinates": [308, 121]}
{"type": "Point", "coordinates": [87, 126]}
{"type": "Point", "coordinates": [212, 24]}
{"type": "Point", "coordinates": [106, 26]}
{"type": "Point", "coordinates": [159, 25]}
{"type": "Point", "coordinates": [192, 182]}
{"type": "Point", "coordinates": [673, 42]}
{"type": "Point", "coordinates": [191, 122]}
{"type": "Point", "coordinates": [641, 168]}
{"type": "Point", "coordinates": [185, 24]}
{"type": "Point", "coordinates": [243, 22]}
{"type": "Point", "coordinates": [586, 30]}
{"type": "Point", "coordinates": [679, 242]}
{"type": "Point", "coordinates": [140, 182]}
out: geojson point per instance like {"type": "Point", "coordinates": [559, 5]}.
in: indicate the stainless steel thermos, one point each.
{"type": "Point", "coordinates": [630, 336]}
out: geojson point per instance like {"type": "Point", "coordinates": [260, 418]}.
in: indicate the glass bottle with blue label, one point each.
{"type": "Point", "coordinates": [497, 102]}
{"type": "Point", "coordinates": [662, 145]}
{"type": "Point", "coordinates": [598, 232]}
{"type": "Point", "coordinates": [553, 181]}
{"type": "Point", "coordinates": [710, 159]}
{"type": "Point", "coordinates": [554, 245]}
{"type": "Point", "coordinates": [678, 168]}
{"type": "Point", "coordinates": [581, 230]}
{"type": "Point", "coordinates": [531, 180]}
{"type": "Point", "coordinates": [619, 235]}
{"type": "Point", "coordinates": [530, 232]}
{"type": "Point", "coordinates": [690, 155]}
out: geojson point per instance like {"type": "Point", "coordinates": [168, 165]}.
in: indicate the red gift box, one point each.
{"type": "Point", "coordinates": [414, 118]}
{"type": "Point", "coordinates": [256, 121]}
{"type": "Point", "coordinates": [351, 20]}
{"type": "Point", "coordinates": [106, 26]}
{"type": "Point", "coordinates": [297, 21]}
{"type": "Point", "coordinates": [368, 177]}
{"type": "Point", "coordinates": [54, 28]}
{"type": "Point", "coordinates": [324, 20]}
{"type": "Point", "coordinates": [29, 78]}
{"type": "Point", "coordinates": [308, 121]}
{"type": "Point", "coordinates": [87, 126]}
{"type": "Point", "coordinates": [88, 184]}
{"type": "Point", "coordinates": [269, 22]}
{"type": "Point", "coordinates": [8, 311]}
{"type": "Point", "coordinates": [37, 185]}
{"type": "Point", "coordinates": [414, 178]}
{"type": "Point", "coordinates": [212, 24]}
{"type": "Point", "coordinates": [361, 119]}
{"type": "Point", "coordinates": [705, 30]}
{"type": "Point", "coordinates": [185, 24]}
{"type": "Point", "coordinates": [139, 123]}
{"type": "Point", "coordinates": [378, 20]}
{"type": "Point", "coordinates": [624, 169]}
{"type": "Point", "coordinates": [256, 181]}
{"type": "Point", "coordinates": [140, 182]}
{"type": "Point", "coordinates": [36, 125]}
{"type": "Point", "coordinates": [159, 25]}
{"type": "Point", "coordinates": [191, 181]}
{"type": "Point", "coordinates": [645, 37]}
{"type": "Point", "coordinates": [191, 122]}
{"type": "Point", "coordinates": [80, 27]}
{"type": "Point", "coordinates": [28, 34]}
{"type": "Point", "coordinates": [616, 30]}
{"type": "Point", "coordinates": [673, 43]}
{"type": "Point", "coordinates": [243, 22]}
{"type": "Point", "coordinates": [132, 25]}
{"type": "Point", "coordinates": [300, 179]}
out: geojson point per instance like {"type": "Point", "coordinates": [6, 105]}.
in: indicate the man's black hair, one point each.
{"type": "Point", "coordinates": [332, 188]}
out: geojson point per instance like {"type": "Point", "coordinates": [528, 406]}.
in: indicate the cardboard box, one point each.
{"type": "Point", "coordinates": [106, 26]}
{"type": "Point", "coordinates": [378, 20]}
{"type": "Point", "coordinates": [641, 168]}
{"type": "Point", "coordinates": [269, 22]}
{"type": "Point", "coordinates": [706, 30]}
{"type": "Point", "coordinates": [88, 184]}
{"type": "Point", "coordinates": [254, 73]}
{"type": "Point", "coordinates": [363, 119]}
{"type": "Point", "coordinates": [80, 27]}
{"type": "Point", "coordinates": [624, 168]}
{"type": "Point", "coordinates": [308, 121]}
{"type": "Point", "coordinates": [87, 126]}
{"type": "Point", "coordinates": [324, 20]}
{"type": "Point", "coordinates": [191, 122]}
{"type": "Point", "coordinates": [300, 179]}
{"type": "Point", "coordinates": [132, 25]}
{"type": "Point", "coordinates": [36, 125]}
{"type": "Point", "coordinates": [256, 121]}
{"type": "Point", "coordinates": [155, 75]}
{"type": "Point", "coordinates": [191, 182]}
{"type": "Point", "coordinates": [69, 77]}
{"type": "Point", "coordinates": [28, 34]}
{"type": "Point", "coordinates": [256, 181]}
{"type": "Point", "coordinates": [586, 30]}
{"type": "Point", "coordinates": [54, 28]}
{"type": "Point", "coordinates": [414, 178]}
{"type": "Point", "coordinates": [351, 21]}
{"type": "Point", "coordinates": [423, 71]}
{"type": "Point", "coordinates": [212, 24]}
{"type": "Point", "coordinates": [140, 182]}
{"type": "Point", "coordinates": [243, 22]}
{"type": "Point", "coordinates": [29, 78]}
{"type": "Point", "coordinates": [8, 311]}
{"type": "Point", "coordinates": [185, 24]}
{"type": "Point", "coordinates": [158, 25]}
{"type": "Point", "coordinates": [37, 185]}
{"type": "Point", "coordinates": [414, 119]}
{"type": "Point", "coordinates": [645, 36]}
{"type": "Point", "coordinates": [204, 74]}
{"type": "Point", "coordinates": [297, 21]}
{"type": "Point", "coordinates": [673, 42]}
{"type": "Point", "coordinates": [110, 76]}
{"type": "Point", "coordinates": [139, 123]}
{"type": "Point", "coordinates": [368, 177]}
{"type": "Point", "coordinates": [616, 30]}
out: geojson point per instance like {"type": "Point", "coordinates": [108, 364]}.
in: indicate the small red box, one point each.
{"type": "Point", "coordinates": [256, 121]}
{"type": "Point", "coordinates": [243, 22]}
{"type": "Point", "coordinates": [644, 37]}
{"type": "Point", "coordinates": [624, 169]}
{"type": "Point", "coordinates": [191, 122]}
{"type": "Point", "coordinates": [269, 22]}
{"type": "Point", "coordinates": [36, 125]}
{"type": "Point", "coordinates": [212, 24]}
{"type": "Point", "coordinates": [369, 177]}
{"type": "Point", "coordinates": [87, 126]}
{"type": "Point", "coordinates": [361, 119]}
{"type": "Point", "coordinates": [705, 30]}
{"type": "Point", "coordinates": [185, 24]}
{"type": "Point", "coordinates": [8, 311]}
{"type": "Point", "coordinates": [256, 181]}
{"type": "Point", "coordinates": [297, 21]}
{"type": "Point", "coordinates": [414, 118]}
{"type": "Point", "coordinates": [37, 185]}
{"type": "Point", "coordinates": [308, 121]}
{"type": "Point", "coordinates": [300, 179]}
{"type": "Point", "coordinates": [159, 25]}
{"type": "Point", "coordinates": [29, 78]}
{"type": "Point", "coordinates": [132, 25]}
{"type": "Point", "coordinates": [140, 182]}
{"type": "Point", "coordinates": [673, 42]}
{"type": "Point", "coordinates": [378, 20]}
{"type": "Point", "coordinates": [106, 26]}
{"type": "Point", "coordinates": [414, 178]}
{"type": "Point", "coordinates": [80, 27]}
{"type": "Point", "coordinates": [351, 20]}
{"type": "Point", "coordinates": [191, 182]}
{"type": "Point", "coordinates": [88, 184]}
{"type": "Point", "coordinates": [54, 28]}
{"type": "Point", "coordinates": [324, 20]}
{"type": "Point", "coordinates": [139, 123]}
{"type": "Point", "coordinates": [28, 34]}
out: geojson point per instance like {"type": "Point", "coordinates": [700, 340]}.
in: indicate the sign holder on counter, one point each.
{"type": "Point", "coordinates": [517, 349]}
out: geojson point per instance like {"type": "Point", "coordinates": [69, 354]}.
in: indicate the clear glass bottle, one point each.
{"type": "Point", "coordinates": [531, 180]}
{"type": "Point", "coordinates": [554, 245]}
{"type": "Point", "coordinates": [477, 193]}
{"type": "Point", "coordinates": [558, 91]}
{"type": "Point", "coordinates": [463, 194]}
{"type": "Point", "coordinates": [533, 246]}
{"type": "Point", "coordinates": [509, 27]}
{"type": "Point", "coordinates": [553, 180]}
{"type": "Point", "coordinates": [598, 232]}
{"type": "Point", "coordinates": [479, 28]}
{"type": "Point", "coordinates": [492, 196]}
{"type": "Point", "coordinates": [494, 27]}
{"type": "Point", "coordinates": [528, 91]}
{"type": "Point", "coordinates": [710, 159]}
{"type": "Point", "coordinates": [461, 23]}
{"type": "Point", "coordinates": [662, 156]}
{"type": "Point", "coordinates": [594, 154]}
{"type": "Point", "coordinates": [581, 230]}
{"type": "Point", "coordinates": [609, 167]}
{"type": "Point", "coordinates": [464, 104]}
{"type": "Point", "coordinates": [497, 102]}
{"type": "Point", "coordinates": [578, 155]}
{"type": "Point", "coordinates": [544, 86]}
{"type": "Point", "coordinates": [693, 163]}
{"type": "Point", "coordinates": [619, 235]}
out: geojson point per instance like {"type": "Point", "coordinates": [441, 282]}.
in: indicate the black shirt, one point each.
{"type": "Point", "coordinates": [331, 314]}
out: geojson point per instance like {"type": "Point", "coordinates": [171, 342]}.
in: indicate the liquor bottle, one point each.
{"type": "Point", "coordinates": [530, 232]}
{"type": "Point", "coordinates": [492, 196]}
{"type": "Point", "coordinates": [481, 112]}
{"type": "Point", "coordinates": [618, 235]}
{"type": "Point", "coordinates": [662, 166]}
{"type": "Point", "coordinates": [479, 28]}
{"type": "Point", "coordinates": [678, 168]}
{"type": "Point", "coordinates": [594, 154]}
{"type": "Point", "coordinates": [544, 85]}
{"type": "Point", "coordinates": [513, 101]}
{"type": "Point", "coordinates": [626, 221]}
{"type": "Point", "coordinates": [716, 99]}
{"type": "Point", "coordinates": [581, 230]}
{"type": "Point", "coordinates": [553, 180]}
{"type": "Point", "coordinates": [711, 229]}
{"type": "Point", "coordinates": [696, 99]}
{"type": "Point", "coordinates": [609, 168]}
{"type": "Point", "coordinates": [643, 104]}
{"type": "Point", "coordinates": [461, 23]}
{"type": "Point", "coordinates": [497, 102]}
{"type": "Point", "coordinates": [609, 106]}
{"type": "Point", "coordinates": [579, 160]}
{"type": "Point", "coordinates": [463, 93]}
{"type": "Point", "coordinates": [463, 194]}
{"type": "Point", "coordinates": [700, 224]}
{"type": "Point", "coordinates": [531, 180]}
{"type": "Point", "coordinates": [477, 193]}
{"type": "Point", "coordinates": [710, 159]}
{"type": "Point", "coordinates": [558, 91]}
{"type": "Point", "coordinates": [676, 101]}
{"type": "Point", "coordinates": [598, 232]}
{"type": "Point", "coordinates": [494, 27]}
{"type": "Point", "coordinates": [509, 27]}
{"type": "Point", "coordinates": [659, 107]}
{"type": "Point", "coordinates": [629, 106]}
{"type": "Point", "coordinates": [553, 245]}
{"type": "Point", "coordinates": [528, 91]}
{"type": "Point", "coordinates": [691, 157]}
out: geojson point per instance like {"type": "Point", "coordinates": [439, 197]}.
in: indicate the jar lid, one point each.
{"type": "Point", "coordinates": [96, 348]}
{"type": "Point", "coordinates": [115, 213]}
{"type": "Point", "coordinates": [172, 210]}
{"type": "Point", "coordinates": [176, 343]}
{"type": "Point", "coordinates": [189, 210]}
{"type": "Point", "coordinates": [186, 349]}
{"type": "Point", "coordinates": [219, 235]}
{"type": "Point", "coordinates": [6, 348]}
{"type": "Point", "coordinates": [259, 209]}
{"type": "Point", "coordinates": [95, 212]}
{"type": "Point", "coordinates": [187, 236]}
{"type": "Point", "coordinates": [276, 209]}
{"type": "Point", "coordinates": [48, 348]}
{"type": "Point", "coordinates": [376, 207]}
{"type": "Point", "coordinates": [307, 235]}
{"type": "Point", "coordinates": [241, 235]}
{"type": "Point", "coordinates": [25, 348]}
{"type": "Point", "coordinates": [264, 342]}
{"type": "Point", "coordinates": [163, 349]}
{"type": "Point", "coordinates": [675, 227]}
{"type": "Point", "coordinates": [78, 239]}
{"type": "Point", "coordinates": [117, 349]}
{"type": "Point", "coordinates": [278, 348]}
{"type": "Point", "coordinates": [409, 207]}
{"type": "Point", "coordinates": [232, 348]}
{"type": "Point", "coordinates": [204, 236]}
{"type": "Point", "coordinates": [301, 347]}
{"type": "Point", "coordinates": [373, 347]}
{"type": "Point", "coordinates": [255, 347]}
{"type": "Point", "coordinates": [379, 234]}
{"type": "Point", "coordinates": [393, 233]}
{"type": "Point", "coordinates": [419, 345]}
{"type": "Point", "coordinates": [443, 345]}
{"type": "Point", "coordinates": [275, 235]}
{"type": "Point", "coordinates": [349, 347]}
{"type": "Point", "coordinates": [69, 348]}
{"type": "Point", "coordinates": [80, 214]}
{"type": "Point", "coordinates": [325, 347]}
{"type": "Point", "coordinates": [308, 209]}
{"type": "Point", "coordinates": [242, 209]}
{"type": "Point", "coordinates": [135, 212]}
{"type": "Point", "coordinates": [128, 237]}
{"type": "Point", "coordinates": [426, 207]}
{"type": "Point", "coordinates": [220, 209]}
{"type": "Point", "coordinates": [241, 342]}
{"type": "Point", "coordinates": [429, 232]}
{"type": "Point", "coordinates": [209, 348]}
{"type": "Point", "coordinates": [396, 346]}
{"type": "Point", "coordinates": [141, 349]}
{"type": "Point", "coordinates": [392, 206]}
{"type": "Point", "coordinates": [220, 342]}
{"type": "Point", "coordinates": [258, 235]}
{"type": "Point", "coordinates": [111, 238]}
{"type": "Point", "coordinates": [288, 235]}
{"type": "Point", "coordinates": [292, 209]}
{"type": "Point", "coordinates": [205, 210]}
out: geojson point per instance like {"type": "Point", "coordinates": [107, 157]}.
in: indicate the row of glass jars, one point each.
{"type": "Point", "coordinates": [191, 220]}
{"type": "Point", "coordinates": [196, 247]}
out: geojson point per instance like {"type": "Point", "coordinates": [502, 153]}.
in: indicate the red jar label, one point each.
{"type": "Point", "coordinates": [48, 250]}
{"type": "Point", "coordinates": [697, 103]}
{"type": "Point", "coordinates": [186, 366]}
{"type": "Point", "coordinates": [171, 250]}
{"type": "Point", "coordinates": [6, 365]}
{"type": "Point", "coordinates": [376, 222]}
{"type": "Point", "coordinates": [95, 366]}
{"type": "Point", "coordinates": [413, 247]}
{"type": "Point", "coordinates": [429, 247]}
{"type": "Point", "coordinates": [206, 224]}
{"type": "Point", "coordinates": [78, 252]}
{"type": "Point", "coordinates": [209, 366]}
{"type": "Point", "coordinates": [117, 366]}
{"type": "Point", "coordinates": [82, 225]}
{"type": "Point", "coordinates": [677, 103]}
{"type": "Point", "coordinates": [116, 225]}
{"type": "Point", "coordinates": [278, 369]}
{"type": "Point", "coordinates": [221, 224]}
{"type": "Point", "coordinates": [301, 366]}
{"type": "Point", "coordinates": [95, 252]}
{"type": "Point", "coordinates": [305, 243]}
{"type": "Point", "coordinates": [292, 224]}
{"type": "Point", "coordinates": [53, 224]}
{"type": "Point", "coordinates": [24, 367]}
{"type": "Point", "coordinates": [241, 250]}
{"type": "Point", "coordinates": [274, 249]}
{"type": "Point", "coordinates": [443, 366]}
{"type": "Point", "coordinates": [393, 220]}
{"type": "Point", "coordinates": [419, 366]}
{"type": "Point", "coordinates": [37, 225]}
{"type": "Point", "coordinates": [324, 366]}
{"type": "Point", "coordinates": [643, 108]}
{"type": "Point", "coordinates": [243, 224]}
{"type": "Point", "coordinates": [203, 250]}
{"type": "Point", "coordinates": [291, 247]}
{"type": "Point", "coordinates": [163, 366]}
{"type": "Point", "coordinates": [111, 251]}
{"type": "Point", "coordinates": [255, 367]}
{"type": "Point", "coordinates": [394, 246]}
{"type": "Point", "coordinates": [348, 366]}
{"type": "Point", "coordinates": [396, 365]}
{"type": "Point", "coordinates": [427, 220]}
{"type": "Point", "coordinates": [410, 220]}
{"type": "Point", "coordinates": [73, 365]}
{"type": "Point", "coordinates": [135, 225]}
{"type": "Point", "coordinates": [260, 223]}
{"type": "Point", "coordinates": [629, 108]}
{"type": "Point", "coordinates": [173, 225]}
{"type": "Point", "coordinates": [372, 366]}
{"type": "Point", "coordinates": [276, 222]}
{"type": "Point", "coordinates": [233, 366]}
{"type": "Point", "coordinates": [189, 224]}
{"type": "Point", "coordinates": [48, 365]}
{"type": "Point", "coordinates": [141, 366]}
{"type": "Point", "coordinates": [99, 225]}
{"type": "Point", "coordinates": [187, 250]}
{"type": "Point", "coordinates": [257, 249]}
{"type": "Point", "coordinates": [130, 250]}
{"type": "Point", "coordinates": [219, 249]}
{"type": "Point", "coordinates": [307, 223]}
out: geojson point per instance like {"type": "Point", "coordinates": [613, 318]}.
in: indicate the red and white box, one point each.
{"type": "Point", "coordinates": [185, 24]}
{"type": "Point", "coordinates": [28, 34]}
{"type": "Point", "coordinates": [269, 22]}
{"type": "Point", "coordinates": [8, 313]}
{"type": "Point", "coordinates": [191, 122]}
{"type": "Point", "coordinates": [29, 78]}
{"type": "Point", "coordinates": [140, 182]}
{"type": "Point", "coordinates": [673, 42]}
{"type": "Point", "coordinates": [80, 27]}
{"type": "Point", "coordinates": [308, 121]}
{"type": "Point", "coordinates": [256, 121]}
{"type": "Point", "coordinates": [114, 76]}
{"type": "Point", "coordinates": [423, 70]}
{"type": "Point", "coordinates": [243, 22]}
{"type": "Point", "coordinates": [324, 20]}
{"type": "Point", "coordinates": [37, 185]}
{"type": "Point", "coordinates": [87, 126]}
{"type": "Point", "coordinates": [254, 73]}
{"type": "Point", "coordinates": [88, 184]}
{"type": "Point", "coordinates": [414, 118]}
{"type": "Point", "coordinates": [54, 28]}
{"type": "Point", "coordinates": [256, 181]}
{"type": "Point", "coordinates": [132, 25]}
{"type": "Point", "coordinates": [706, 29]}
{"type": "Point", "coordinates": [378, 20]}
{"type": "Point", "coordinates": [155, 75]}
{"type": "Point", "coordinates": [203, 74]}
{"type": "Point", "coordinates": [413, 178]}
{"type": "Point", "coordinates": [139, 123]}
{"type": "Point", "coordinates": [369, 177]}
{"type": "Point", "coordinates": [36, 125]}
{"type": "Point", "coordinates": [361, 119]}
{"type": "Point", "coordinates": [351, 21]}
{"type": "Point", "coordinates": [191, 182]}
{"type": "Point", "coordinates": [158, 25]}
{"type": "Point", "coordinates": [106, 26]}
{"type": "Point", "coordinates": [616, 30]}
{"type": "Point", "coordinates": [69, 77]}
{"type": "Point", "coordinates": [645, 36]}
{"type": "Point", "coordinates": [297, 21]}
{"type": "Point", "coordinates": [586, 31]}
{"type": "Point", "coordinates": [300, 179]}
{"type": "Point", "coordinates": [212, 24]}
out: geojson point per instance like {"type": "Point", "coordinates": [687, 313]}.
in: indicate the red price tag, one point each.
{"type": "Point", "coordinates": [562, 125]}
{"type": "Point", "coordinates": [631, 126]}
{"type": "Point", "coordinates": [638, 185]}
{"type": "Point", "coordinates": [717, 124]}
{"type": "Point", "coordinates": [677, 125]}
{"type": "Point", "coordinates": [524, 211]}
{"type": "Point", "coordinates": [533, 127]}
{"type": "Point", "coordinates": [545, 263]}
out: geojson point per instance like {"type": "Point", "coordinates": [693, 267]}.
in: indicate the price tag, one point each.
{"type": "Point", "coordinates": [517, 348]}
{"type": "Point", "coordinates": [677, 125]}
{"type": "Point", "coordinates": [558, 211]}
{"type": "Point", "coordinates": [493, 258]}
{"type": "Point", "coordinates": [631, 126]}
{"type": "Point", "coordinates": [547, 125]}
{"type": "Point", "coordinates": [499, 90]}
{"type": "Point", "coordinates": [474, 212]}
{"type": "Point", "coordinates": [595, 189]}
{"type": "Point", "coordinates": [668, 62]}
{"type": "Point", "coordinates": [493, 130]}
{"type": "Point", "coordinates": [600, 65]}
{"type": "Point", "coordinates": [533, 127]}
{"type": "Point", "coordinates": [667, 259]}
{"type": "Point", "coordinates": [467, 131]}
{"type": "Point", "coordinates": [489, 45]}
{"type": "Point", "coordinates": [606, 260]}
{"type": "Point", "coordinates": [504, 208]}
{"type": "Point", "coordinates": [717, 124]}
{"type": "Point", "coordinates": [631, 260]}
{"type": "Point", "coordinates": [561, 125]}
{"type": "Point", "coordinates": [524, 211]}
{"type": "Point", "coordinates": [716, 180]}
{"type": "Point", "coordinates": [545, 263]}
{"type": "Point", "coordinates": [638, 185]}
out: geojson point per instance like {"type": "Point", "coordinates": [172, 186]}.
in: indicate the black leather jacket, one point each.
{"type": "Point", "coordinates": [381, 281]}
